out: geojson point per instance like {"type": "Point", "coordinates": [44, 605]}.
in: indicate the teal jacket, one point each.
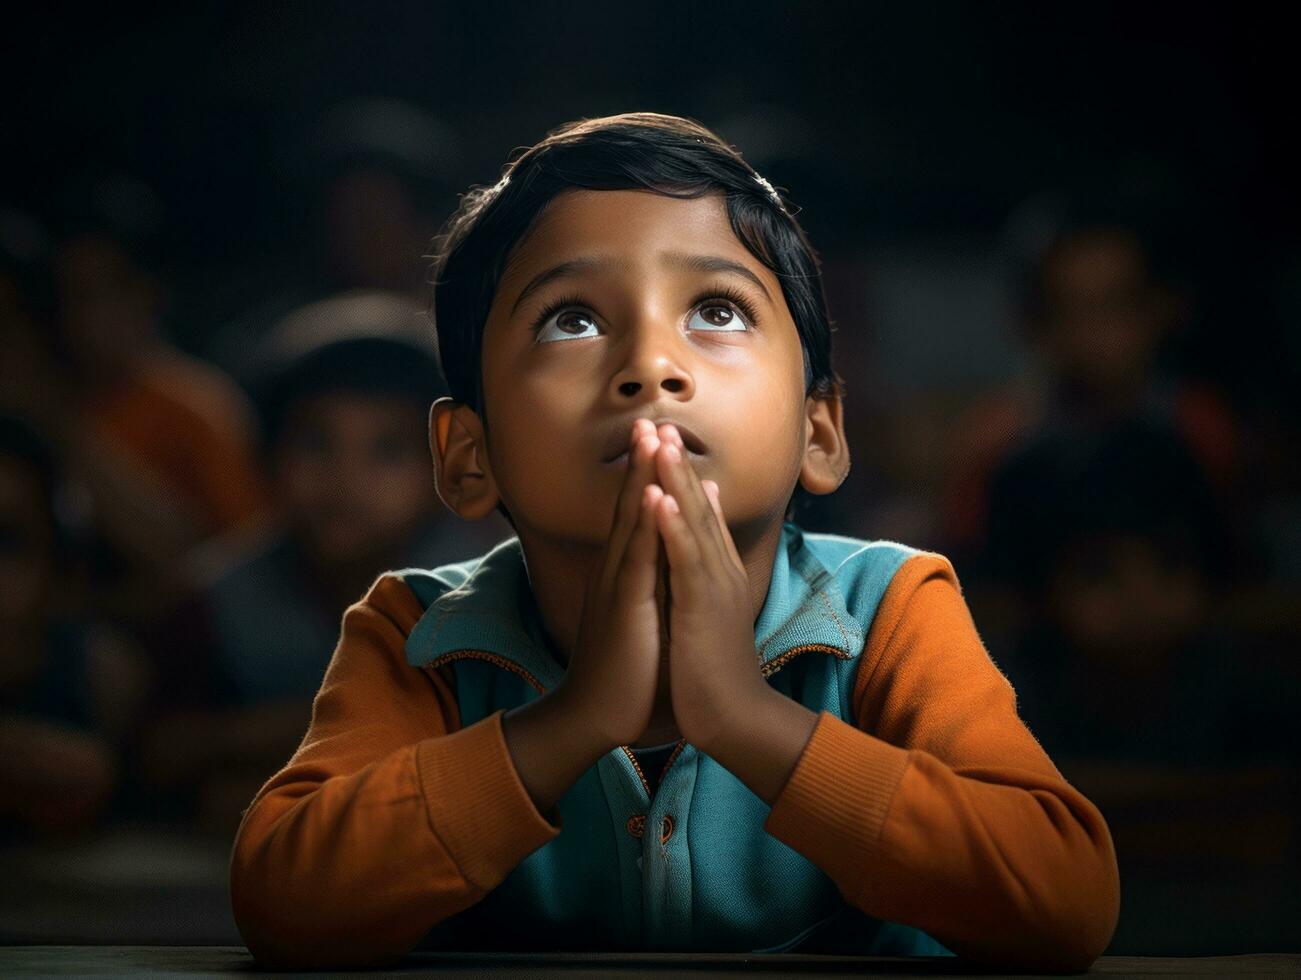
{"type": "Point", "coordinates": [691, 868]}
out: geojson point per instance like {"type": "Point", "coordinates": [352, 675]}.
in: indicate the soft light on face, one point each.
{"type": "Point", "coordinates": [628, 304]}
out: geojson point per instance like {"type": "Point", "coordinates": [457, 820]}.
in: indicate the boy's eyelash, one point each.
{"type": "Point", "coordinates": [554, 307]}
{"type": "Point", "coordinates": [729, 293]}
{"type": "Point", "coordinates": [733, 296]}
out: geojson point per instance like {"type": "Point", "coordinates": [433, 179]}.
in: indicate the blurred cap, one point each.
{"type": "Point", "coordinates": [367, 341]}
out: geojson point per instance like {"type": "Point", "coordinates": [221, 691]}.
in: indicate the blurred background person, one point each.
{"type": "Point", "coordinates": [71, 687]}
{"type": "Point", "coordinates": [1101, 310]}
{"type": "Point", "coordinates": [343, 392]}
{"type": "Point", "coordinates": [1127, 670]}
{"type": "Point", "coordinates": [161, 441]}
{"type": "Point", "coordinates": [1096, 315]}
{"type": "Point", "coordinates": [1120, 552]}
{"type": "Point", "coordinates": [370, 179]}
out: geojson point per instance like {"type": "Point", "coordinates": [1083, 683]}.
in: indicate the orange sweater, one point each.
{"type": "Point", "coordinates": [193, 428]}
{"type": "Point", "coordinates": [938, 810]}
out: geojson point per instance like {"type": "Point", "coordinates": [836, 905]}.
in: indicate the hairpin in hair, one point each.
{"type": "Point", "coordinates": [770, 190]}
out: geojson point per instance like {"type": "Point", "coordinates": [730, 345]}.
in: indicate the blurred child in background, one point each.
{"type": "Point", "coordinates": [161, 441]}
{"type": "Point", "coordinates": [1096, 314]}
{"type": "Point", "coordinates": [344, 392]}
{"type": "Point", "coordinates": [1120, 549]}
{"type": "Point", "coordinates": [70, 688]}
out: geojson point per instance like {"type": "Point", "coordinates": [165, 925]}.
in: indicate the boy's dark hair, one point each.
{"type": "Point", "coordinates": [634, 151]}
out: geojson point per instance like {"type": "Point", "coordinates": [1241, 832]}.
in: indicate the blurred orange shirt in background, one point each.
{"type": "Point", "coordinates": [194, 429]}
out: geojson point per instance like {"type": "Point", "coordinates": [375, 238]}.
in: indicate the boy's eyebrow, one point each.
{"type": "Point", "coordinates": [681, 260]}
{"type": "Point", "coordinates": [712, 263]}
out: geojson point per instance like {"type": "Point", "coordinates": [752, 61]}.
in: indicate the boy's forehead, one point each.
{"type": "Point", "coordinates": [629, 228]}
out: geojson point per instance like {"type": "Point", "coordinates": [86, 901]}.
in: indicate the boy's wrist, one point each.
{"type": "Point", "coordinates": [551, 744]}
{"type": "Point", "coordinates": [583, 715]}
{"type": "Point", "coordinates": [762, 740]}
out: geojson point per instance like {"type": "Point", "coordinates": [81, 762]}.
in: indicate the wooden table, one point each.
{"type": "Point", "coordinates": [220, 961]}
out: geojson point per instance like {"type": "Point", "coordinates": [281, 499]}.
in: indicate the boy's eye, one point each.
{"type": "Point", "coordinates": [718, 315]}
{"type": "Point", "coordinates": [571, 323]}
{"type": "Point", "coordinates": [713, 316]}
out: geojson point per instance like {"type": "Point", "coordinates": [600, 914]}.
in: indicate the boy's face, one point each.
{"type": "Point", "coordinates": [352, 474]}
{"type": "Point", "coordinates": [644, 329]}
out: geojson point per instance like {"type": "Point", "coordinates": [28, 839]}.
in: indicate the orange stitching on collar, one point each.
{"type": "Point", "coordinates": [775, 664]}
{"type": "Point", "coordinates": [492, 658]}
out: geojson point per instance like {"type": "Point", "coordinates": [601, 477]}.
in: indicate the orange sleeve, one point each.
{"type": "Point", "coordinates": [388, 819]}
{"type": "Point", "coordinates": [940, 810]}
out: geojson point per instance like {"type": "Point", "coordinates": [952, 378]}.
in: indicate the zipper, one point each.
{"type": "Point", "coordinates": [637, 766]}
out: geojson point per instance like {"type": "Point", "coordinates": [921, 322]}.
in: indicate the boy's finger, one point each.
{"type": "Point", "coordinates": [680, 481]}
{"type": "Point", "coordinates": [640, 472]}
{"type": "Point", "coordinates": [695, 503]}
{"type": "Point", "coordinates": [711, 491]}
{"type": "Point", "coordinates": [639, 570]}
{"type": "Point", "coordinates": [682, 545]}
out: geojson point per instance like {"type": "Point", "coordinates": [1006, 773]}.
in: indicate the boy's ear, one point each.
{"type": "Point", "coordinates": [826, 450]}
{"type": "Point", "coordinates": [462, 475]}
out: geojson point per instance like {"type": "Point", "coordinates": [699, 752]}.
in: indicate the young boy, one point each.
{"type": "Point", "coordinates": [633, 331]}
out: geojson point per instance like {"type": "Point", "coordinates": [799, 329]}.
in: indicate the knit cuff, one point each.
{"type": "Point", "coordinates": [477, 805]}
{"type": "Point", "coordinates": [833, 806]}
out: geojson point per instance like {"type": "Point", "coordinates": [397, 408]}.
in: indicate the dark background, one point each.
{"type": "Point", "coordinates": [927, 145]}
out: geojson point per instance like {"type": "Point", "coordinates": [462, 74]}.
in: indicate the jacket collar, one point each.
{"type": "Point", "coordinates": [494, 612]}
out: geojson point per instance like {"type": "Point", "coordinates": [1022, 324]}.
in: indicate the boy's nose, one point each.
{"type": "Point", "coordinates": [656, 362]}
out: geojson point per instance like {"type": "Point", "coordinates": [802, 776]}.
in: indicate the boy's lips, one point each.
{"type": "Point", "coordinates": [619, 440]}
{"type": "Point", "coordinates": [622, 459]}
